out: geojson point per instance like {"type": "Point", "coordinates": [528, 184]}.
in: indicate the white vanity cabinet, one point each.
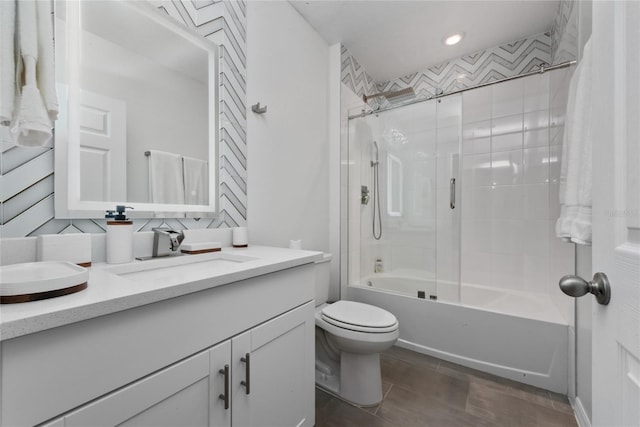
{"type": "Point", "coordinates": [179, 395]}
{"type": "Point", "coordinates": [276, 361]}
{"type": "Point", "coordinates": [163, 364]}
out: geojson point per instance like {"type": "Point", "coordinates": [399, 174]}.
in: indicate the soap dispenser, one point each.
{"type": "Point", "coordinates": [119, 236]}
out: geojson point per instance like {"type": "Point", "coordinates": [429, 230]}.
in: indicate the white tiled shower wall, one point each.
{"type": "Point", "coordinates": [511, 169]}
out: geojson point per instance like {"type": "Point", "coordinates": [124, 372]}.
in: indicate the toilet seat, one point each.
{"type": "Point", "coordinates": [359, 317]}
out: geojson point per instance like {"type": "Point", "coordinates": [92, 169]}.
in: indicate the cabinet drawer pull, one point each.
{"type": "Point", "coordinates": [247, 369]}
{"type": "Point", "coordinates": [225, 396]}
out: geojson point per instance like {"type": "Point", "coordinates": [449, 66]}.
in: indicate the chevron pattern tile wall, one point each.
{"type": "Point", "coordinates": [354, 76]}
{"type": "Point", "coordinates": [487, 65]}
{"type": "Point", "coordinates": [26, 175]}
{"type": "Point", "coordinates": [564, 41]}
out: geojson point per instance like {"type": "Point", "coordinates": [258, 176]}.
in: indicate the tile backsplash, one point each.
{"type": "Point", "coordinates": [25, 249]}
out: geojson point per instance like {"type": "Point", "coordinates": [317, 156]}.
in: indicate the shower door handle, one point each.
{"type": "Point", "coordinates": [575, 286]}
{"type": "Point", "coordinates": [452, 193]}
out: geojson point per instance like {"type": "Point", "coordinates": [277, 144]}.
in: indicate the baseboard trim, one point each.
{"type": "Point", "coordinates": [581, 415]}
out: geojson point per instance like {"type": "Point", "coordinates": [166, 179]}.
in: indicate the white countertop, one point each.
{"type": "Point", "coordinates": [108, 292]}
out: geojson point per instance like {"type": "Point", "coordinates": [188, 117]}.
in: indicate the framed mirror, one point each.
{"type": "Point", "coordinates": [138, 123]}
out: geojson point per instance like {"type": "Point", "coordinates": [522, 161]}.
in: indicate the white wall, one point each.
{"type": "Point", "coordinates": [511, 166]}
{"type": "Point", "coordinates": [336, 234]}
{"type": "Point", "coordinates": [288, 147]}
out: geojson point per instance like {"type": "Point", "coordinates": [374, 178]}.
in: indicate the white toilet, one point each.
{"type": "Point", "coordinates": [349, 338]}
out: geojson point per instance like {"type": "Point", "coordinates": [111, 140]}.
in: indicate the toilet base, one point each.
{"type": "Point", "coordinates": [360, 378]}
{"type": "Point", "coordinates": [356, 379]}
{"type": "Point", "coordinates": [327, 372]}
{"type": "Point", "coordinates": [330, 383]}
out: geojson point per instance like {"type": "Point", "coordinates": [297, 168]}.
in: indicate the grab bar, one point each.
{"type": "Point", "coordinates": [452, 193]}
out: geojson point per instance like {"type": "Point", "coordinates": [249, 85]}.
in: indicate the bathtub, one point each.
{"type": "Point", "coordinates": [517, 335]}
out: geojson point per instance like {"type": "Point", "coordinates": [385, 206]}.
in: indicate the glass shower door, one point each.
{"type": "Point", "coordinates": [403, 231]}
{"type": "Point", "coordinates": [448, 217]}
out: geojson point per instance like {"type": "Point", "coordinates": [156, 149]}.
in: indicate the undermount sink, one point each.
{"type": "Point", "coordinates": [171, 268]}
{"type": "Point", "coordinates": [39, 280]}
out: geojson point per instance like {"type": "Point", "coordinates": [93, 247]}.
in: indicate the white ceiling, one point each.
{"type": "Point", "coordinates": [392, 38]}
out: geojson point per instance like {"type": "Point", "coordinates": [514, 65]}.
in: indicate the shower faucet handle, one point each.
{"type": "Point", "coordinates": [364, 194]}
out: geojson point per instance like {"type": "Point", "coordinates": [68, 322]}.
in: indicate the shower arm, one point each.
{"type": "Point", "coordinates": [390, 94]}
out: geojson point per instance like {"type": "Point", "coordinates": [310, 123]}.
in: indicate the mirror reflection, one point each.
{"type": "Point", "coordinates": [144, 114]}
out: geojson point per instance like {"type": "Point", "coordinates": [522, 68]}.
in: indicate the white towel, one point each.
{"type": "Point", "coordinates": [574, 223]}
{"type": "Point", "coordinates": [46, 58]}
{"type": "Point", "coordinates": [196, 181]}
{"type": "Point", "coordinates": [35, 105]}
{"type": "Point", "coordinates": [165, 178]}
{"type": "Point", "coordinates": [31, 125]}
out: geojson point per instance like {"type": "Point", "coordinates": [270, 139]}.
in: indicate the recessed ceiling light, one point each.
{"type": "Point", "coordinates": [453, 39]}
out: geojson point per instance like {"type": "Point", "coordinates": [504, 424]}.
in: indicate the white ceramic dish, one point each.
{"type": "Point", "coordinates": [44, 276]}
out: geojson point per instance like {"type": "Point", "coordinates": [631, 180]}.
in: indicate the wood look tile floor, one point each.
{"type": "Point", "coordinates": [420, 390]}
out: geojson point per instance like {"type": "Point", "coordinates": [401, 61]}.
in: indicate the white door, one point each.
{"type": "Point", "coordinates": [616, 211]}
{"type": "Point", "coordinates": [103, 148]}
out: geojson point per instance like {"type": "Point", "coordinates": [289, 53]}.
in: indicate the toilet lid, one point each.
{"type": "Point", "coordinates": [358, 316]}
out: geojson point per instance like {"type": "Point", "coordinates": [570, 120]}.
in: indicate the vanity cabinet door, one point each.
{"type": "Point", "coordinates": [184, 394]}
{"type": "Point", "coordinates": [279, 373]}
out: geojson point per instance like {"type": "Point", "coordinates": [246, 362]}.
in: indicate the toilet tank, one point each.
{"type": "Point", "coordinates": [323, 273]}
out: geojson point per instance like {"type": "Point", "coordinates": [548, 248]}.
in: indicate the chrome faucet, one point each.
{"type": "Point", "coordinates": [166, 241]}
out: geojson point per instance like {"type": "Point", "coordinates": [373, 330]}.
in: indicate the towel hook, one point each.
{"type": "Point", "coordinates": [257, 109]}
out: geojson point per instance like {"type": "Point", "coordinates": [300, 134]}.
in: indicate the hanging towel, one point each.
{"type": "Point", "coordinates": [165, 178]}
{"type": "Point", "coordinates": [45, 70]}
{"type": "Point", "coordinates": [36, 105]}
{"type": "Point", "coordinates": [196, 181]}
{"type": "Point", "coordinates": [574, 223]}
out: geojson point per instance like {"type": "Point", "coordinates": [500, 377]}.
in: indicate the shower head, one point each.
{"type": "Point", "coordinates": [393, 95]}
{"type": "Point", "coordinates": [375, 162]}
